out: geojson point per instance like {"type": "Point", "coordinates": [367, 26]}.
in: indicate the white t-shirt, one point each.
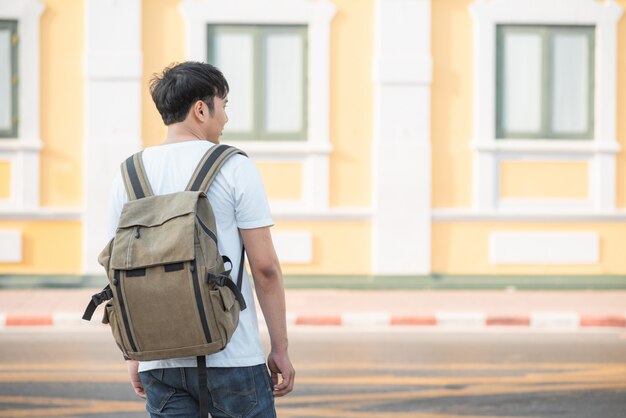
{"type": "Point", "coordinates": [238, 199]}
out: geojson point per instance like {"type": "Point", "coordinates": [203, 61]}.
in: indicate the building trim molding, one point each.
{"type": "Point", "coordinates": [294, 247]}
{"type": "Point", "coordinates": [43, 214]}
{"type": "Point", "coordinates": [544, 247]}
{"type": "Point", "coordinates": [10, 246]}
{"type": "Point", "coordinates": [568, 215]}
{"type": "Point", "coordinates": [330, 214]}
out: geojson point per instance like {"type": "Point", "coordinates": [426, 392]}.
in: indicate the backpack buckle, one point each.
{"type": "Point", "coordinates": [98, 298]}
{"type": "Point", "coordinates": [217, 279]}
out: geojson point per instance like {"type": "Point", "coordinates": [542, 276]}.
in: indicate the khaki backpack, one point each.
{"type": "Point", "coordinates": [169, 294]}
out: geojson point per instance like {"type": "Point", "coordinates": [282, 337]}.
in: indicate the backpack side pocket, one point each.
{"type": "Point", "coordinates": [226, 312]}
{"type": "Point", "coordinates": [110, 317]}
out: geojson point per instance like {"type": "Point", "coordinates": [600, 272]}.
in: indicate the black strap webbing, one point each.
{"type": "Point", "coordinates": [209, 165]}
{"type": "Point", "coordinates": [204, 170]}
{"type": "Point", "coordinates": [203, 390]}
{"type": "Point", "coordinates": [241, 267]}
{"type": "Point", "coordinates": [237, 289]}
{"type": "Point", "coordinates": [96, 300]}
{"type": "Point", "coordinates": [237, 292]}
{"type": "Point", "coordinates": [134, 178]}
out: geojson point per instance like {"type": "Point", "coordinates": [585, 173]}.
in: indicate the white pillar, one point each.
{"type": "Point", "coordinates": [402, 151]}
{"type": "Point", "coordinates": [113, 69]}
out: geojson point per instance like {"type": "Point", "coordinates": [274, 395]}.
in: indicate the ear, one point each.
{"type": "Point", "coordinates": [199, 110]}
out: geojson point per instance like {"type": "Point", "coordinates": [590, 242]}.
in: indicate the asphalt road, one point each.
{"type": "Point", "coordinates": [352, 374]}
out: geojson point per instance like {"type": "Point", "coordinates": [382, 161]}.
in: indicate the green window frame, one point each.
{"type": "Point", "coordinates": [259, 34]}
{"type": "Point", "coordinates": [9, 82]}
{"type": "Point", "coordinates": [546, 35]}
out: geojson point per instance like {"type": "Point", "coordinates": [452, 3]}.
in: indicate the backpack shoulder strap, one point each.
{"type": "Point", "coordinates": [202, 178]}
{"type": "Point", "coordinates": [209, 166]}
{"type": "Point", "coordinates": [135, 178]}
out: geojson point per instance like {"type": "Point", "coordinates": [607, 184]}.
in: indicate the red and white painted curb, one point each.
{"type": "Point", "coordinates": [444, 320]}
{"type": "Point", "coordinates": [466, 320]}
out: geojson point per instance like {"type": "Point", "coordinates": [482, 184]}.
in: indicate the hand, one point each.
{"type": "Point", "coordinates": [279, 363]}
{"type": "Point", "coordinates": [135, 381]}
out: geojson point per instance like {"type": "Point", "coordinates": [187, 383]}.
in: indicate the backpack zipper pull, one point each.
{"type": "Point", "coordinates": [137, 234]}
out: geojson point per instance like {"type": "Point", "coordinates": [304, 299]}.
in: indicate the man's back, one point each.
{"type": "Point", "coordinates": [238, 200]}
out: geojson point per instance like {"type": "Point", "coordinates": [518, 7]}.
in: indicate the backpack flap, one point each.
{"type": "Point", "coordinates": [156, 230]}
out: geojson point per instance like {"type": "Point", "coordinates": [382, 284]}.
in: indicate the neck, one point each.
{"type": "Point", "coordinates": [178, 132]}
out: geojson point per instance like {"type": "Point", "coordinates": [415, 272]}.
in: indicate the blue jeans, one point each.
{"type": "Point", "coordinates": [233, 392]}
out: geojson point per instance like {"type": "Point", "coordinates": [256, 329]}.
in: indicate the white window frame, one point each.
{"type": "Point", "coordinates": [314, 152]}
{"type": "Point", "coordinates": [600, 152]}
{"type": "Point", "coordinates": [545, 104]}
{"type": "Point", "coordinates": [260, 34]}
{"type": "Point", "coordinates": [22, 152]}
{"type": "Point", "coordinates": [10, 28]}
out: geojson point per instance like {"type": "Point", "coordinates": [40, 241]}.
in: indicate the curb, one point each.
{"type": "Point", "coordinates": [444, 320]}
{"type": "Point", "coordinates": [467, 320]}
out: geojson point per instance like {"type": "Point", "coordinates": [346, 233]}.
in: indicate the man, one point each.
{"type": "Point", "coordinates": [191, 98]}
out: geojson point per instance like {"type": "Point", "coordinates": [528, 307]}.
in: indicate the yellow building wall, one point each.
{"type": "Point", "coordinates": [463, 248]}
{"type": "Point", "coordinates": [283, 181]}
{"type": "Point", "coordinates": [48, 247]}
{"type": "Point", "coordinates": [163, 43]}
{"type": "Point", "coordinates": [544, 179]}
{"type": "Point", "coordinates": [451, 111]}
{"type": "Point", "coordinates": [5, 180]}
{"type": "Point", "coordinates": [338, 247]}
{"type": "Point", "coordinates": [62, 102]}
{"type": "Point", "coordinates": [351, 102]}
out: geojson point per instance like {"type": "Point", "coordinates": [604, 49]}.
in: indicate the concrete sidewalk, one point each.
{"type": "Point", "coordinates": [466, 309]}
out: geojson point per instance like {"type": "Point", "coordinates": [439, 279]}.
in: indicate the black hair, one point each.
{"type": "Point", "coordinates": [179, 86]}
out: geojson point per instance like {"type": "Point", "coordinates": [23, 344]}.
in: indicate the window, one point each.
{"type": "Point", "coordinates": [266, 68]}
{"type": "Point", "coordinates": [545, 82]}
{"type": "Point", "coordinates": [8, 78]}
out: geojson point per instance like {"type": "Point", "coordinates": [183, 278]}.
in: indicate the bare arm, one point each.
{"type": "Point", "coordinates": [268, 280]}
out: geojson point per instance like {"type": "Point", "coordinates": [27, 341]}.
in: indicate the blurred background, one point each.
{"type": "Point", "coordinates": [472, 147]}
{"type": "Point", "coordinates": [412, 138]}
